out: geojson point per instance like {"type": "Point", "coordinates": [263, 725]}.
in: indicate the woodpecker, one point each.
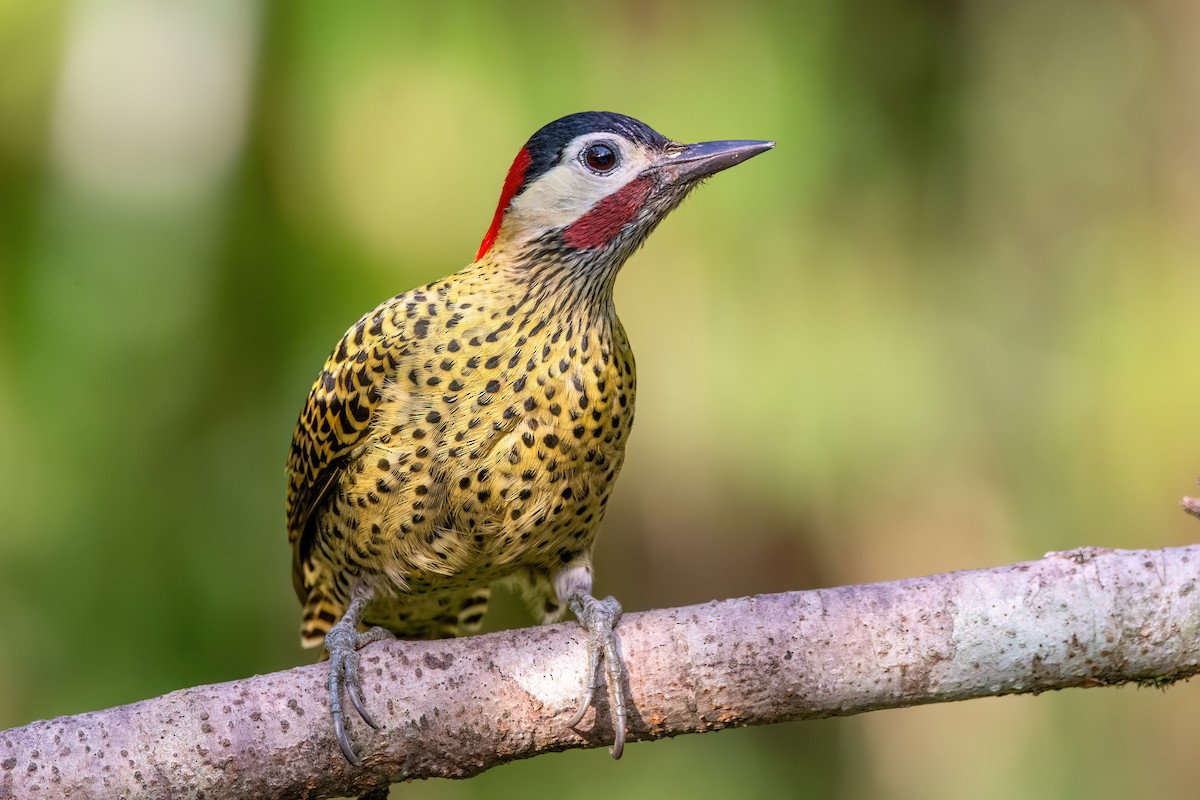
{"type": "Point", "coordinates": [471, 430]}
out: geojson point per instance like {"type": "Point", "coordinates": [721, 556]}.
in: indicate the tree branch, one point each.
{"type": "Point", "coordinates": [454, 708]}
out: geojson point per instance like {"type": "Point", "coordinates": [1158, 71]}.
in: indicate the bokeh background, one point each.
{"type": "Point", "coordinates": [950, 322]}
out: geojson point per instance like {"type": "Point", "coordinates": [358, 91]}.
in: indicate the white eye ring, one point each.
{"type": "Point", "coordinates": [600, 158]}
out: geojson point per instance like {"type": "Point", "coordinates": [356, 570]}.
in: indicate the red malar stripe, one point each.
{"type": "Point", "coordinates": [604, 220]}
{"type": "Point", "coordinates": [512, 183]}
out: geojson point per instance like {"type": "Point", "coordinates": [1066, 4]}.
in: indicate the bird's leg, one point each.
{"type": "Point", "coordinates": [343, 642]}
{"type": "Point", "coordinates": [599, 620]}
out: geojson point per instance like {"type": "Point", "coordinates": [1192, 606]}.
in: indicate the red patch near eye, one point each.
{"type": "Point", "coordinates": [512, 183]}
{"type": "Point", "coordinates": [604, 220]}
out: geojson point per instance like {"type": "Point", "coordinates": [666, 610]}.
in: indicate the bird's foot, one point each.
{"type": "Point", "coordinates": [599, 619]}
{"type": "Point", "coordinates": [343, 643]}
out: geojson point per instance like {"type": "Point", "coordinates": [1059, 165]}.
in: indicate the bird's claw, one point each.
{"type": "Point", "coordinates": [343, 643]}
{"type": "Point", "coordinates": [599, 619]}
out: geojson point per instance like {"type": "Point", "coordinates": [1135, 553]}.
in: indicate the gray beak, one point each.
{"type": "Point", "coordinates": [696, 161]}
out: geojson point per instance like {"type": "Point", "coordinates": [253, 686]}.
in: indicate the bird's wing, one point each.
{"type": "Point", "coordinates": [336, 419]}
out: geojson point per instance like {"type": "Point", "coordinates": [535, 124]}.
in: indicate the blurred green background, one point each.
{"type": "Point", "coordinates": [950, 322]}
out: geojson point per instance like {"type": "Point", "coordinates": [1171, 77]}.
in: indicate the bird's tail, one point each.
{"type": "Point", "coordinates": [321, 612]}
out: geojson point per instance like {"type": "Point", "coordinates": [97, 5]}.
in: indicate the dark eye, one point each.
{"type": "Point", "coordinates": [600, 157]}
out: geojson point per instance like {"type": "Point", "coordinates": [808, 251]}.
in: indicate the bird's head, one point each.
{"type": "Point", "coordinates": [591, 186]}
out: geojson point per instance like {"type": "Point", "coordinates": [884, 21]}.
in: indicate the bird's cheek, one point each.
{"type": "Point", "coordinates": [603, 222]}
